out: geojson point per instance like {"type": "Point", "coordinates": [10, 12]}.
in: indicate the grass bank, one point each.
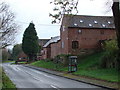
{"type": "Point", "coordinates": [86, 67]}
{"type": "Point", "coordinates": [0, 77]}
{"type": "Point", "coordinates": [6, 82]}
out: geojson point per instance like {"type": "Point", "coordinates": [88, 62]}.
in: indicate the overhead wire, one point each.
{"type": "Point", "coordinates": [37, 24]}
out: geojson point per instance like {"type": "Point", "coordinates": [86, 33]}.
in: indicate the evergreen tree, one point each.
{"type": "Point", "coordinates": [30, 44]}
{"type": "Point", "coordinates": [17, 49]}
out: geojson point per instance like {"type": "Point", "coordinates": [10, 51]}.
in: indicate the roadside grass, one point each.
{"type": "Point", "coordinates": [91, 61]}
{"type": "Point", "coordinates": [110, 75]}
{"type": "Point", "coordinates": [48, 65]}
{"type": "Point", "coordinates": [88, 66]}
{"type": "Point", "coordinates": [20, 62]}
{"type": "Point", "coordinates": [7, 61]}
{"type": "Point", "coordinates": [0, 77]}
{"type": "Point", "coordinates": [6, 82]}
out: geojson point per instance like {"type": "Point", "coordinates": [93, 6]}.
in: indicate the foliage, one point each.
{"type": "Point", "coordinates": [109, 59]}
{"type": "Point", "coordinates": [30, 44]}
{"type": "Point", "coordinates": [63, 7]}
{"type": "Point", "coordinates": [0, 77]}
{"type": "Point", "coordinates": [7, 25]}
{"type": "Point", "coordinates": [7, 83]}
{"type": "Point", "coordinates": [5, 55]}
{"type": "Point", "coordinates": [111, 46]}
{"type": "Point", "coordinates": [62, 58]}
{"type": "Point", "coordinates": [17, 49]}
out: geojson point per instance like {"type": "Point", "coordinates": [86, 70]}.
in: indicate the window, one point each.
{"type": "Point", "coordinates": [79, 31]}
{"type": "Point", "coordinates": [95, 22]}
{"type": "Point", "coordinates": [81, 21]}
{"type": "Point", "coordinates": [75, 24]}
{"type": "Point", "coordinates": [103, 25]}
{"type": "Point", "coordinates": [62, 44]}
{"type": "Point", "coordinates": [90, 25]}
{"type": "Point", "coordinates": [75, 44]}
{"type": "Point", "coordinates": [109, 22]}
{"type": "Point", "coordinates": [63, 28]}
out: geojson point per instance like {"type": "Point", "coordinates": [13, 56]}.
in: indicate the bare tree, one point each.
{"type": "Point", "coordinates": [8, 28]}
{"type": "Point", "coordinates": [63, 7]}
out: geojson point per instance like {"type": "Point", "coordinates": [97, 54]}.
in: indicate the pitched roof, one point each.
{"type": "Point", "coordinates": [52, 40]}
{"type": "Point", "coordinates": [89, 21]}
{"type": "Point", "coordinates": [42, 42]}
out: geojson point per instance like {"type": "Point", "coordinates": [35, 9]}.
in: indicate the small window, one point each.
{"type": "Point", "coordinates": [79, 31]}
{"type": "Point", "coordinates": [95, 22]}
{"type": "Point", "coordinates": [62, 44]}
{"type": "Point", "coordinates": [103, 25]}
{"type": "Point", "coordinates": [75, 24]}
{"type": "Point", "coordinates": [81, 21]}
{"type": "Point", "coordinates": [90, 25]}
{"type": "Point", "coordinates": [109, 22]}
{"type": "Point", "coordinates": [75, 44]}
{"type": "Point", "coordinates": [63, 28]}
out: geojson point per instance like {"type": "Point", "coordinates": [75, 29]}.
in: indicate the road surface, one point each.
{"type": "Point", "coordinates": [24, 77]}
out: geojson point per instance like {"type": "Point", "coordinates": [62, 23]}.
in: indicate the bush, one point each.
{"type": "Point", "coordinates": [62, 59]}
{"type": "Point", "coordinates": [109, 58]}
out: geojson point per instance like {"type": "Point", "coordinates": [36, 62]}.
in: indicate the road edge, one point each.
{"type": "Point", "coordinates": [37, 68]}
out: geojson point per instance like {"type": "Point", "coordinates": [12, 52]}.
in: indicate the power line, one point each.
{"type": "Point", "coordinates": [37, 24]}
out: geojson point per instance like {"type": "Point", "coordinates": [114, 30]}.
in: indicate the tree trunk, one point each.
{"type": "Point", "coordinates": [116, 13]}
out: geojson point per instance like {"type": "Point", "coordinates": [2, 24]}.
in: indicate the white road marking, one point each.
{"type": "Point", "coordinates": [53, 86]}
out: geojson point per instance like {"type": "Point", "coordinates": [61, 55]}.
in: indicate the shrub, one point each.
{"type": "Point", "coordinates": [62, 58]}
{"type": "Point", "coordinates": [109, 58]}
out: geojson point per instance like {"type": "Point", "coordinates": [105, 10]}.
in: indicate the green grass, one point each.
{"type": "Point", "coordinates": [49, 65]}
{"type": "Point", "coordinates": [90, 61]}
{"type": "Point", "coordinates": [7, 61]}
{"type": "Point", "coordinates": [6, 82]}
{"type": "Point", "coordinates": [0, 77]}
{"type": "Point", "coordinates": [103, 74]}
{"type": "Point", "coordinates": [88, 66]}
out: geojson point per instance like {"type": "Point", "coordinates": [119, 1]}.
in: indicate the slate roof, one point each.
{"type": "Point", "coordinates": [52, 40]}
{"type": "Point", "coordinates": [42, 42]}
{"type": "Point", "coordinates": [90, 21]}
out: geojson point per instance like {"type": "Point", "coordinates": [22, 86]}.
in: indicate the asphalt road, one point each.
{"type": "Point", "coordinates": [24, 77]}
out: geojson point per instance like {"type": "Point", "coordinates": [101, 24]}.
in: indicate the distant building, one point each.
{"type": "Point", "coordinates": [22, 56]}
{"type": "Point", "coordinates": [80, 34]}
{"type": "Point", "coordinates": [42, 42]}
{"type": "Point", "coordinates": [49, 49]}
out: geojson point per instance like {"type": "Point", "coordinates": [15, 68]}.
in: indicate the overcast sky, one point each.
{"type": "Point", "coordinates": [38, 12]}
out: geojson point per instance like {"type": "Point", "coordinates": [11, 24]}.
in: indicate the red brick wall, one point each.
{"type": "Point", "coordinates": [46, 52]}
{"type": "Point", "coordinates": [64, 40]}
{"type": "Point", "coordinates": [88, 38]}
{"type": "Point", "coordinates": [55, 49]}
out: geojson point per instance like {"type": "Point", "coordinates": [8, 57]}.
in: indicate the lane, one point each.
{"type": "Point", "coordinates": [25, 77]}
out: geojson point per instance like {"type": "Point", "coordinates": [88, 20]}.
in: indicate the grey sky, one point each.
{"type": "Point", "coordinates": [38, 12]}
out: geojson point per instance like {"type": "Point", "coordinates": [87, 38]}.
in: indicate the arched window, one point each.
{"type": "Point", "coordinates": [75, 44]}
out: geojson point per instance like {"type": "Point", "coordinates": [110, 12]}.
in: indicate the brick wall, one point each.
{"type": "Point", "coordinates": [88, 38]}
{"type": "Point", "coordinates": [46, 52]}
{"type": "Point", "coordinates": [55, 49]}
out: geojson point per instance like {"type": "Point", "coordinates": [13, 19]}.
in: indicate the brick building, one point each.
{"type": "Point", "coordinates": [42, 42]}
{"type": "Point", "coordinates": [50, 48]}
{"type": "Point", "coordinates": [80, 34]}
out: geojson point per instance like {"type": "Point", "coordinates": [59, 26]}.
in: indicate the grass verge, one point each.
{"type": "Point", "coordinates": [6, 82]}
{"type": "Point", "coordinates": [0, 77]}
{"type": "Point", "coordinates": [86, 67]}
